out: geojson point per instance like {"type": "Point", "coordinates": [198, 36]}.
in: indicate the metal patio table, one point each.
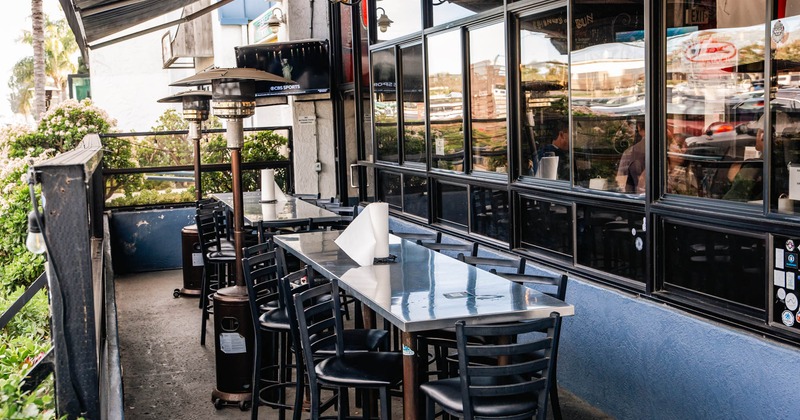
{"type": "Point", "coordinates": [292, 209]}
{"type": "Point", "coordinates": [421, 290]}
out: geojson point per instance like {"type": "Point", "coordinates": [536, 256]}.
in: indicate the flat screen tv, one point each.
{"type": "Point", "coordinates": [305, 62]}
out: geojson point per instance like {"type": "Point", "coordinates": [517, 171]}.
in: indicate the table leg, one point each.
{"type": "Point", "coordinates": [370, 319]}
{"type": "Point", "coordinates": [411, 406]}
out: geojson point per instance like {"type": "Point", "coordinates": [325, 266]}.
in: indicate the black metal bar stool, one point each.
{"type": "Point", "coordinates": [216, 259]}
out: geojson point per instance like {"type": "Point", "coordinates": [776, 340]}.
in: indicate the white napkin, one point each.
{"type": "Point", "coordinates": [367, 236]}
{"type": "Point", "coordinates": [269, 211]}
{"type": "Point", "coordinates": [548, 167]}
{"type": "Point", "coordinates": [270, 191]}
{"type": "Point", "coordinates": [374, 282]}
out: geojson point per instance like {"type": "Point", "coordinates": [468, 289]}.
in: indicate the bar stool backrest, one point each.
{"type": "Point", "coordinates": [517, 264]}
{"type": "Point", "coordinates": [516, 376]}
{"type": "Point", "coordinates": [261, 278]}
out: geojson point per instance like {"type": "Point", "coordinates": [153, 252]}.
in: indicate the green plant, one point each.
{"type": "Point", "coordinates": [262, 146]}
{"type": "Point", "coordinates": [18, 267]}
{"type": "Point", "coordinates": [22, 342]}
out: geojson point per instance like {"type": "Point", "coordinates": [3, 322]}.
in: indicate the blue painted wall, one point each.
{"type": "Point", "coordinates": [148, 240]}
{"type": "Point", "coordinates": [636, 359]}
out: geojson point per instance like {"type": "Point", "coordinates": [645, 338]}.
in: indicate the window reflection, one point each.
{"type": "Point", "coordinates": [415, 195]}
{"type": "Point", "coordinates": [715, 98]}
{"type": "Point", "coordinates": [490, 214]}
{"type": "Point", "coordinates": [390, 189]}
{"type": "Point", "coordinates": [785, 146]}
{"type": "Point", "coordinates": [413, 104]}
{"type": "Point", "coordinates": [384, 90]}
{"type": "Point", "coordinates": [611, 241]}
{"type": "Point", "coordinates": [544, 82]}
{"type": "Point", "coordinates": [345, 13]}
{"type": "Point", "coordinates": [449, 10]}
{"type": "Point", "coordinates": [726, 266]}
{"type": "Point", "coordinates": [488, 95]}
{"type": "Point", "coordinates": [452, 205]}
{"type": "Point", "coordinates": [607, 83]}
{"type": "Point", "coordinates": [446, 101]}
{"type": "Point", "coordinates": [546, 225]}
{"type": "Point", "coordinates": [402, 17]}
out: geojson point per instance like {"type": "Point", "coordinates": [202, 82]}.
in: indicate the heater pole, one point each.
{"type": "Point", "coordinates": [235, 137]}
{"type": "Point", "coordinates": [195, 128]}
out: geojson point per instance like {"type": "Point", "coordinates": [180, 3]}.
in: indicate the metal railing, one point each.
{"type": "Point", "coordinates": [181, 174]}
{"type": "Point", "coordinates": [44, 365]}
{"type": "Point", "coordinates": [85, 356]}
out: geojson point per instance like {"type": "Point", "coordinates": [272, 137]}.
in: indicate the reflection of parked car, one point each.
{"type": "Point", "coordinates": [721, 141]}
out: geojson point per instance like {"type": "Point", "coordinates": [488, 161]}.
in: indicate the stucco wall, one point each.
{"type": "Point", "coordinates": [127, 79]}
{"type": "Point", "coordinates": [636, 359]}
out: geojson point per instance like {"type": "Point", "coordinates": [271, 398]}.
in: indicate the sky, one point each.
{"type": "Point", "coordinates": [16, 17]}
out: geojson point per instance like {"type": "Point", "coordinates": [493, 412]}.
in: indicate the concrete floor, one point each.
{"type": "Point", "coordinates": [168, 375]}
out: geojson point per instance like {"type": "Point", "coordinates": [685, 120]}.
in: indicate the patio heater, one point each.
{"type": "Point", "coordinates": [195, 111]}
{"type": "Point", "coordinates": [233, 99]}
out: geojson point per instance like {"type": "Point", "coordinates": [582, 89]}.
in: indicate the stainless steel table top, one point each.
{"type": "Point", "coordinates": [292, 209]}
{"type": "Point", "coordinates": [422, 290]}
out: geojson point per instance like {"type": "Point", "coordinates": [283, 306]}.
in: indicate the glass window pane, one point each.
{"type": "Point", "coordinates": [452, 204]}
{"type": "Point", "coordinates": [448, 11]}
{"type": "Point", "coordinates": [384, 90]}
{"type": "Point", "coordinates": [346, 28]}
{"type": "Point", "coordinates": [785, 146]}
{"type": "Point", "coordinates": [487, 70]}
{"type": "Point", "coordinates": [722, 265]}
{"type": "Point", "coordinates": [607, 84]}
{"type": "Point", "coordinates": [611, 240]}
{"type": "Point", "coordinates": [413, 104]}
{"type": "Point", "coordinates": [389, 189]}
{"type": "Point", "coordinates": [446, 101]}
{"type": "Point", "coordinates": [715, 96]}
{"type": "Point", "coordinates": [415, 195]}
{"type": "Point", "coordinates": [544, 80]}
{"type": "Point", "coordinates": [490, 215]}
{"type": "Point", "coordinates": [395, 18]}
{"type": "Point", "coordinates": [546, 225]}
{"type": "Point", "coordinates": [364, 45]}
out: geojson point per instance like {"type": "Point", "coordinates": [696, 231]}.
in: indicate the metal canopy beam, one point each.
{"type": "Point", "coordinates": [93, 20]}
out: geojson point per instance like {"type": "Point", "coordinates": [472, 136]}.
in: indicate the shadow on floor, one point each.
{"type": "Point", "coordinates": [168, 375]}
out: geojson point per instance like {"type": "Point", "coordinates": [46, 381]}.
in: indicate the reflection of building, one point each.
{"type": "Point", "coordinates": [446, 106]}
{"type": "Point", "coordinates": [610, 68]}
{"type": "Point", "coordinates": [488, 90]}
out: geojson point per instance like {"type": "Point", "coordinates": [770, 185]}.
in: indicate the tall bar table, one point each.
{"type": "Point", "coordinates": [422, 290]}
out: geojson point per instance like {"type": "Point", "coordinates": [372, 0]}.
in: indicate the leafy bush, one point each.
{"type": "Point", "coordinates": [258, 147]}
{"type": "Point", "coordinates": [22, 343]}
{"type": "Point", "coordinates": [18, 267]}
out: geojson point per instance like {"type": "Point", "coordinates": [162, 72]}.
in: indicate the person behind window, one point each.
{"type": "Point", "coordinates": [631, 169]}
{"type": "Point", "coordinates": [747, 177]}
{"type": "Point", "coordinates": [680, 176]}
{"type": "Point", "coordinates": [559, 147]}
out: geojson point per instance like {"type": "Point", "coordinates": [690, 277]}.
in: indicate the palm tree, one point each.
{"type": "Point", "coordinates": [37, 16]}
{"type": "Point", "coordinates": [21, 83]}
{"type": "Point", "coordinates": [60, 47]}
